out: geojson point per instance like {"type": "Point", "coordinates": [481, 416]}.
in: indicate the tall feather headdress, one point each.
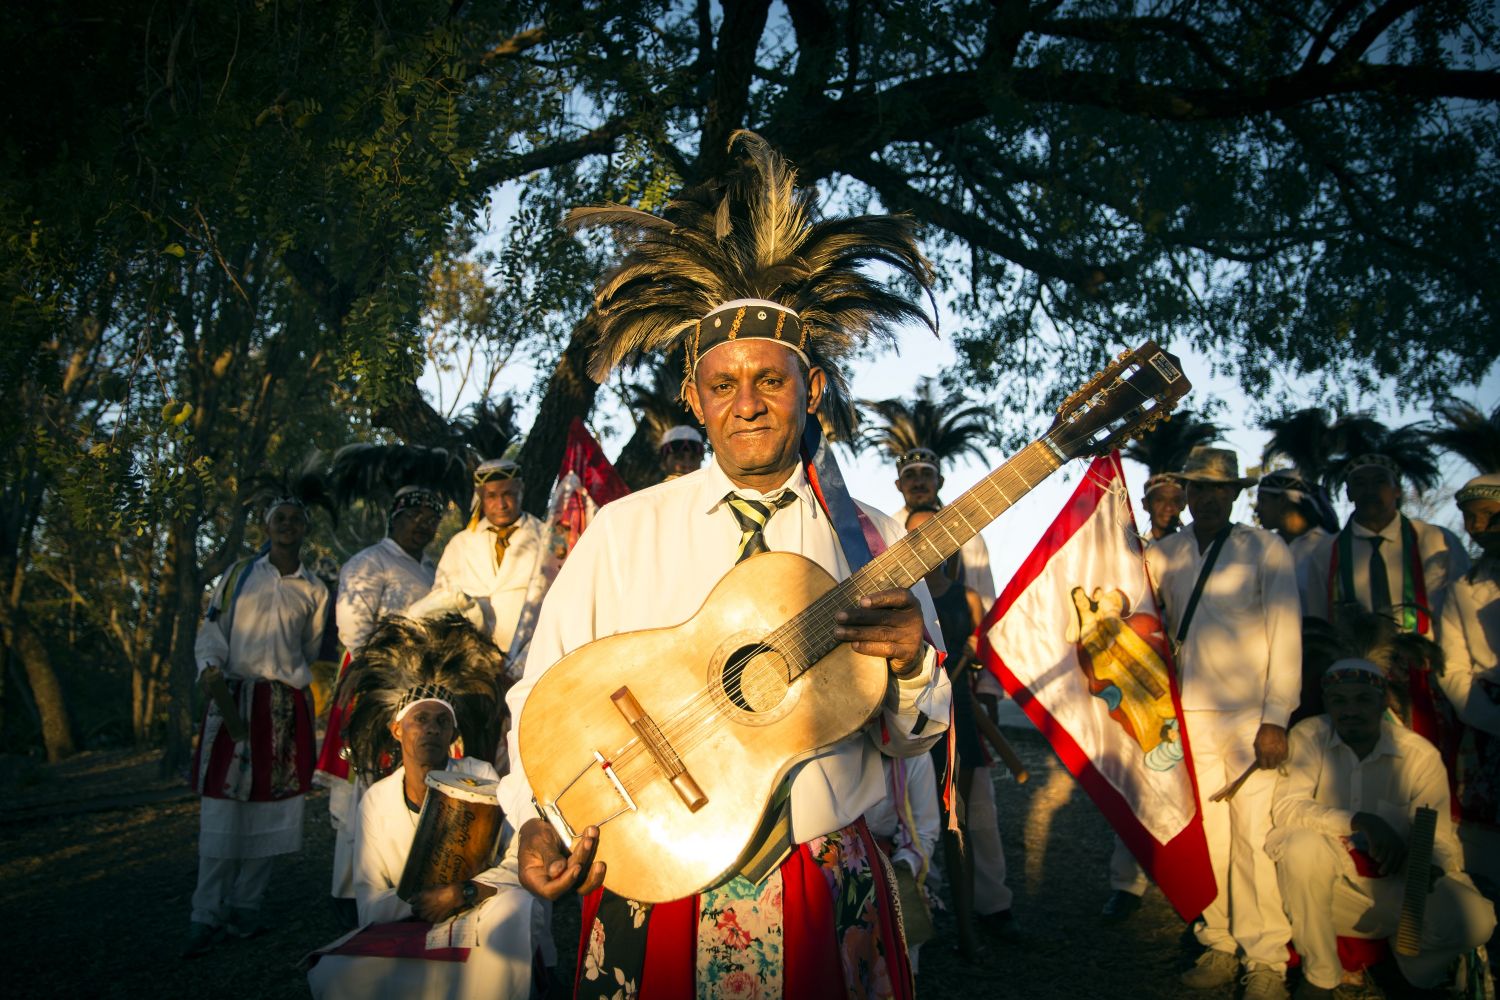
{"type": "Point", "coordinates": [741, 256]}
{"type": "Point", "coordinates": [406, 660]}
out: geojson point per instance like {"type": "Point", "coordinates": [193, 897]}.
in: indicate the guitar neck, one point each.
{"type": "Point", "coordinates": [810, 634]}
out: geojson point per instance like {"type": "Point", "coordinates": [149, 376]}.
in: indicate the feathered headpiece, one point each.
{"type": "Point", "coordinates": [741, 256]}
{"type": "Point", "coordinates": [405, 661]}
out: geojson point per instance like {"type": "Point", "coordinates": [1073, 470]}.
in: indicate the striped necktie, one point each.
{"type": "Point", "coordinates": [752, 516]}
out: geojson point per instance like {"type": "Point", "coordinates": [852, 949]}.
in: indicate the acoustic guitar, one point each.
{"type": "Point", "coordinates": [673, 740]}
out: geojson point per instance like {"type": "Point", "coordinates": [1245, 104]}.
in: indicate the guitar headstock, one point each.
{"type": "Point", "coordinates": [1135, 393]}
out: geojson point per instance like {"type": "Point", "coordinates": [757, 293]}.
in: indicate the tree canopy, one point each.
{"type": "Point", "coordinates": [233, 232]}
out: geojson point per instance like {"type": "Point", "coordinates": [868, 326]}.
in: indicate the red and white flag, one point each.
{"type": "Point", "coordinates": [1077, 640]}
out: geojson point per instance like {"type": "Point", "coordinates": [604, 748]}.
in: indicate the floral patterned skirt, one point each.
{"type": "Point", "coordinates": [825, 924]}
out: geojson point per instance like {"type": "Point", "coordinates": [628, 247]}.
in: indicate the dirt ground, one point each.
{"type": "Point", "coordinates": [98, 861]}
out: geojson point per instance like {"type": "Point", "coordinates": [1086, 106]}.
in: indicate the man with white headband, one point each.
{"type": "Point", "coordinates": [1164, 501]}
{"type": "Point", "coordinates": [1470, 679]}
{"type": "Point", "coordinates": [1286, 503]}
{"type": "Point", "coordinates": [681, 452]}
{"type": "Point", "coordinates": [764, 301]}
{"type": "Point", "coordinates": [1341, 820]}
{"type": "Point", "coordinates": [376, 582]}
{"type": "Point", "coordinates": [492, 565]}
{"type": "Point", "coordinates": [919, 477]}
{"type": "Point", "coordinates": [254, 649]}
{"type": "Point", "coordinates": [418, 684]}
{"type": "Point", "coordinates": [1385, 562]}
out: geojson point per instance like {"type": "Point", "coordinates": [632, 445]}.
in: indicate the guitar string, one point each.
{"type": "Point", "coordinates": [816, 620]}
{"type": "Point", "coordinates": [806, 632]}
{"type": "Point", "coordinates": [684, 728]}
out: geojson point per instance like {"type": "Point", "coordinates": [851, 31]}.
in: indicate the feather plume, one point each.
{"type": "Point", "coordinates": [403, 653]}
{"type": "Point", "coordinates": [1468, 433]}
{"type": "Point", "coordinates": [751, 235]}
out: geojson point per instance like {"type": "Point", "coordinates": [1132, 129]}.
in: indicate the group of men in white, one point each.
{"type": "Point", "coordinates": [1311, 846]}
{"type": "Point", "coordinates": [1307, 850]}
{"type": "Point", "coordinates": [262, 633]}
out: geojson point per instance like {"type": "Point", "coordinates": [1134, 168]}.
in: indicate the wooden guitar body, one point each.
{"type": "Point", "coordinates": [708, 699]}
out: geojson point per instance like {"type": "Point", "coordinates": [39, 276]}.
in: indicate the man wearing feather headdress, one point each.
{"type": "Point", "coordinates": [1381, 560]}
{"type": "Point", "coordinates": [254, 762]}
{"type": "Point", "coordinates": [379, 581]}
{"type": "Point", "coordinates": [417, 684]}
{"type": "Point", "coordinates": [764, 300]}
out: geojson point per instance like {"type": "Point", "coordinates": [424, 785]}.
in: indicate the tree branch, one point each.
{"type": "Point", "coordinates": [592, 143]}
{"type": "Point", "coordinates": [734, 67]}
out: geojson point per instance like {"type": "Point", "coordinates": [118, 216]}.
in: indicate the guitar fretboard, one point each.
{"type": "Point", "coordinates": [808, 637]}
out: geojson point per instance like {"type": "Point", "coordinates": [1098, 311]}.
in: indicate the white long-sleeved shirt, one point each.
{"type": "Point", "coordinates": [383, 831]}
{"type": "Point", "coordinates": [1244, 645]}
{"type": "Point", "coordinates": [1304, 547]}
{"type": "Point", "coordinates": [1324, 784]}
{"type": "Point", "coordinates": [376, 582]}
{"type": "Point", "coordinates": [275, 625]}
{"type": "Point", "coordinates": [884, 817]}
{"type": "Point", "coordinates": [650, 559]}
{"type": "Point", "coordinates": [1470, 636]}
{"type": "Point", "coordinates": [469, 568]}
{"type": "Point", "coordinates": [1436, 561]}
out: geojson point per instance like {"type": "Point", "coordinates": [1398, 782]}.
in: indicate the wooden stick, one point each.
{"type": "Point", "coordinates": [1002, 746]}
{"type": "Point", "coordinates": [1227, 792]}
{"type": "Point", "coordinates": [213, 681]}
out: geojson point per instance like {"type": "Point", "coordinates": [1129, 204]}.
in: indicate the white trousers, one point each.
{"type": "Point", "coordinates": [1324, 901]}
{"type": "Point", "coordinates": [227, 884]}
{"type": "Point", "coordinates": [1246, 916]}
{"type": "Point", "coordinates": [501, 966]}
{"type": "Point", "coordinates": [1125, 872]}
{"type": "Point", "coordinates": [991, 894]}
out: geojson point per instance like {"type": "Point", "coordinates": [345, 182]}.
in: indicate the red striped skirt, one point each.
{"type": "Point", "coordinates": [274, 762]}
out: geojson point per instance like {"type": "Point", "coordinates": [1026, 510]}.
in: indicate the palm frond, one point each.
{"type": "Point", "coordinates": [1467, 432]}
{"type": "Point", "coordinates": [950, 425]}
{"type": "Point", "coordinates": [1165, 447]}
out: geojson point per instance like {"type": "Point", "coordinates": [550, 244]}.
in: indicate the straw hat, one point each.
{"type": "Point", "coordinates": [1214, 465]}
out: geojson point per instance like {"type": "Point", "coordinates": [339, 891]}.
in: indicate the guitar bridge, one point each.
{"type": "Point", "coordinates": [553, 815]}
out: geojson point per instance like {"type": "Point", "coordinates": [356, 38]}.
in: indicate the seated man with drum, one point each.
{"type": "Point", "coordinates": [1354, 852]}
{"type": "Point", "coordinates": [440, 916]}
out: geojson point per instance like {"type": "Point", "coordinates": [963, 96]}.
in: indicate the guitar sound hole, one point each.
{"type": "Point", "coordinates": [754, 678]}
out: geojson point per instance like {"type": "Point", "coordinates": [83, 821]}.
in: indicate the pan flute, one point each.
{"type": "Point", "coordinates": [1418, 881]}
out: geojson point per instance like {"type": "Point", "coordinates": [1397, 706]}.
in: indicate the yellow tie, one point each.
{"type": "Point", "coordinates": [502, 541]}
{"type": "Point", "coordinates": [752, 515]}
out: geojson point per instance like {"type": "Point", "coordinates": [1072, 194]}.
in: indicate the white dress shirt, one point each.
{"type": "Point", "coordinates": [1436, 561]}
{"type": "Point", "coordinates": [1244, 645]}
{"type": "Point", "coordinates": [1470, 637]}
{"type": "Point", "coordinates": [650, 559]}
{"type": "Point", "coordinates": [1324, 784]}
{"type": "Point", "coordinates": [468, 568]}
{"type": "Point", "coordinates": [377, 582]}
{"type": "Point", "coordinates": [1304, 547]}
{"type": "Point", "coordinates": [275, 625]}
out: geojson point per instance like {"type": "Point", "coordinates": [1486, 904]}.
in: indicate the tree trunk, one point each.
{"type": "Point", "coordinates": [570, 393]}
{"type": "Point", "coordinates": [178, 613]}
{"type": "Point", "coordinates": [638, 462]}
{"type": "Point", "coordinates": [46, 690]}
